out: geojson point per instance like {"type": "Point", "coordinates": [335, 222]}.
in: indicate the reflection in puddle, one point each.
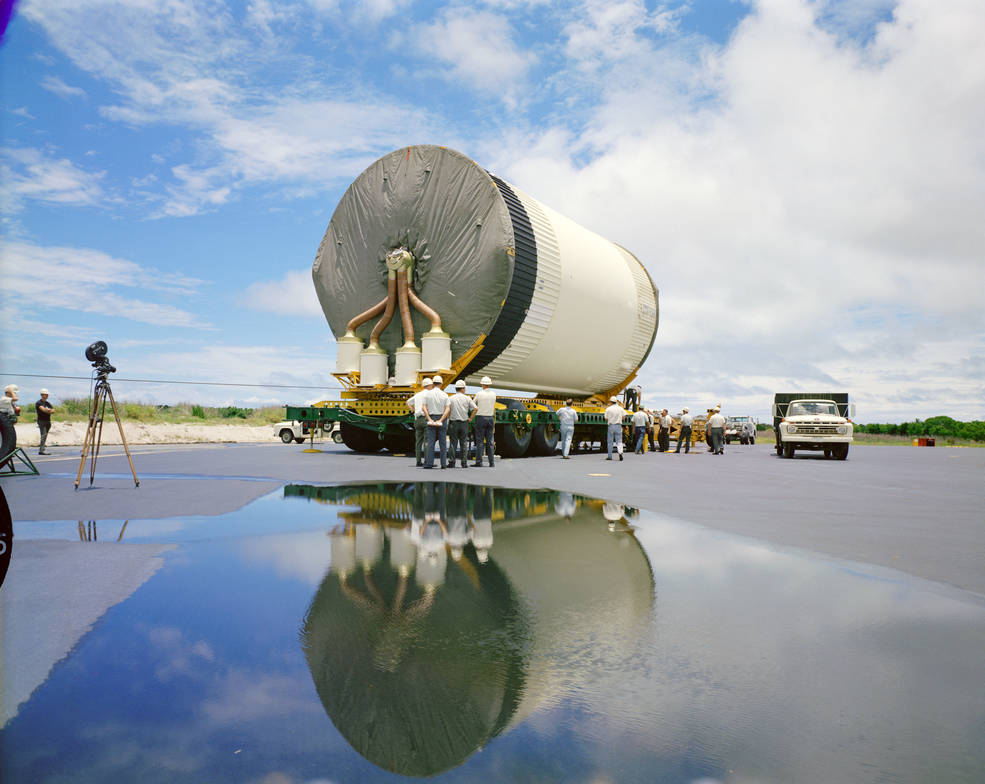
{"type": "Point", "coordinates": [431, 634]}
{"type": "Point", "coordinates": [351, 633]}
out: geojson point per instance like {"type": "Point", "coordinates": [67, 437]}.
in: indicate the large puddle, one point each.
{"type": "Point", "coordinates": [343, 634]}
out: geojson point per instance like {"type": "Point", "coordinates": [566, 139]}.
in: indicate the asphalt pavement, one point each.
{"type": "Point", "coordinates": [919, 510]}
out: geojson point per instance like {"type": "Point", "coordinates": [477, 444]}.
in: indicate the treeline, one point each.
{"type": "Point", "coordinates": [937, 427]}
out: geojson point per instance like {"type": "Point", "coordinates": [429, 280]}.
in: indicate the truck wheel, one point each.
{"type": "Point", "coordinates": [513, 440]}
{"type": "Point", "coordinates": [779, 450]}
{"type": "Point", "coordinates": [752, 440]}
{"type": "Point", "coordinates": [788, 451]}
{"type": "Point", "coordinates": [337, 436]}
{"type": "Point", "coordinates": [827, 454]}
{"type": "Point", "coordinates": [300, 439]}
{"type": "Point", "coordinates": [841, 452]}
{"type": "Point", "coordinates": [286, 436]}
{"type": "Point", "coordinates": [359, 439]}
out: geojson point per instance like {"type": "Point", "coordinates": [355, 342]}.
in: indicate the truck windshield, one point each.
{"type": "Point", "coordinates": [812, 407]}
{"type": "Point", "coordinates": [738, 419]}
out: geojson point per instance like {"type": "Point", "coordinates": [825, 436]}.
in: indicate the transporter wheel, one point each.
{"type": "Point", "coordinates": [399, 441]}
{"type": "Point", "coordinates": [359, 439]}
{"type": "Point", "coordinates": [286, 436]}
{"type": "Point", "coordinates": [513, 440]}
{"type": "Point", "coordinates": [788, 451]}
{"type": "Point", "coordinates": [544, 439]}
{"type": "Point", "coordinates": [841, 452]}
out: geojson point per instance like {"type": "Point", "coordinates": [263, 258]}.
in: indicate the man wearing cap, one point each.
{"type": "Point", "coordinates": [461, 410]}
{"type": "Point", "coordinates": [663, 437]}
{"type": "Point", "coordinates": [613, 416]}
{"type": "Point", "coordinates": [716, 426]}
{"type": "Point", "coordinates": [485, 405]}
{"type": "Point", "coordinates": [641, 423]}
{"type": "Point", "coordinates": [44, 409]}
{"type": "Point", "coordinates": [685, 435]}
{"type": "Point", "coordinates": [567, 417]}
{"type": "Point", "coordinates": [416, 404]}
{"type": "Point", "coordinates": [436, 411]}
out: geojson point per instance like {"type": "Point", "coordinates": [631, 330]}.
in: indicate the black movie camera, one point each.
{"type": "Point", "coordinates": [96, 354]}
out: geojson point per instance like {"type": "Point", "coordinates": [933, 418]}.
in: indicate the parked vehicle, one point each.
{"type": "Point", "coordinates": [815, 421]}
{"type": "Point", "coordinates": [300, 431]}
{"type": "Point", "coordinates": [741, 429]}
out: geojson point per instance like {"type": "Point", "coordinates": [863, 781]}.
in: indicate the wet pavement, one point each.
{"type": "Point", "coordinates": [372, 631]}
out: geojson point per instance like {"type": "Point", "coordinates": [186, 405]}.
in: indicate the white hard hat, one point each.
{"type": "Point", "coordinates": [44, 391]}
{"type": "Point", "coordinates": [460, 384]}
{"type": "Point", "coordinates": [437, 380]}
{"type": "Point", "coordinates": [685, 410]}
{"type": "Point", "coordinates": [427, 381]}
{"type": "Point", "coordinates": [613, 399]}
{"type": "Point", "coordinates": [486, 381]}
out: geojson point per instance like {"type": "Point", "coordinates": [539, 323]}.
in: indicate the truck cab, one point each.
{"type": "Point", "coordinates": [741, 429]}
{"type": "Point", "coordinates": [817, 424]}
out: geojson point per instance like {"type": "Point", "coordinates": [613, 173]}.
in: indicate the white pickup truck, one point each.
{"type": "Point", "coordinates": [816, 423]}
{"type": "Point", "coordinates": [299, 431]}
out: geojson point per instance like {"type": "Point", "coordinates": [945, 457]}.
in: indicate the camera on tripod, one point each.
{"type": "Point", "coordinates": [96, 354]}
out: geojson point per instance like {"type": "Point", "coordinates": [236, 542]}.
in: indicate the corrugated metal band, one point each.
{"type": "Point", "coordinates": [545, 297]}
{"type": "Point", "coordinates": [521, 286]}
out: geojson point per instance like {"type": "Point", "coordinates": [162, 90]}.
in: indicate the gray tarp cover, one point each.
{"type": "Point", "coordinates": [446, 210]}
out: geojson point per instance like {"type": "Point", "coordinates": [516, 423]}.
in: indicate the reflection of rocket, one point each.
{"type": "Point", "coordinates": [417, 676]}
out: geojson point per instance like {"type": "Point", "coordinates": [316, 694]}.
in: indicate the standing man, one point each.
{"type": "Point", "coordinates": [716, 425]}
{"type": "Point", "coordinates": [613, 417]}
{"type": "Point", "coordinates": [485, 403]}
{"type": "Point", "coordinates": [44, 409]}
{"type": "Point", "coordinates": [568, 417]}
{"type": "Point", "coordinates": [665, 424]}
{"type": "Point", "coordinates": [416, 404]}
{"type": "Point", "coordinates": [641, 423]}
{"type": "Point", "coordinates": [685, 435]}
{"type": "Point", "coordinates": [436, 410]}
{"type": "Point", "coordinates": [8, 403]}
{"type": "Point", "coordinates": [461, 410]}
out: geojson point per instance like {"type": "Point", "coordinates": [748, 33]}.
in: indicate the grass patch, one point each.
{"type": "Point", "coordinates": [77, 410]}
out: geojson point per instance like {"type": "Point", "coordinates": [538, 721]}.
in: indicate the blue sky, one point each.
{"type": "Point", "coordinates": [805, 181]}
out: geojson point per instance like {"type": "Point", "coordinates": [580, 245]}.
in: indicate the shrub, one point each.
{"type": "Point", "coordinates": [234, 412]}
{"type": "Point", "coordinates": [198, 412]}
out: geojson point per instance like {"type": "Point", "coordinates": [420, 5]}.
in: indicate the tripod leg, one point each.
{"type": "Point", "coordinates": [112, 401]}
{"type": "Point", "coordinates": [99, 435]}
{"type": "Point", "coordinates": [89, 439]}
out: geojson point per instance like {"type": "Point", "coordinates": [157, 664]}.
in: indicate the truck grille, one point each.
{"type": "Point", "coordinates": [816, 430]}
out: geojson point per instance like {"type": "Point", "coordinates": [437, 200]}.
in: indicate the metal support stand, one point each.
{"type": "Point", "coordinates": [9, 462]}
{"type": "Point", "coordinates": [94, 432]}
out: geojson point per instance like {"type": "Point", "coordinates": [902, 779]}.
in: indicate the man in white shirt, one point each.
{"type": "Point", "coordinates": [665, 424]}
{"type": "Point", "coordinates": [640, 424]}
{"type": "Point", "coordinates": [436, 408]}
{"type": "Point", "coordinates": [716, 426]}
{"type": "Point", "coordinates": [485, 402]}
{"type": "Point", "coordinates": [416, 404]}
{"type": "Point", "coordinates": [613, 416]}
{"type": "Point", "coordinates": [461, 410]}
{"type": "Point", "coordinates": [568, 417]}
{"type": "Point", "coordinates": [684, 437]}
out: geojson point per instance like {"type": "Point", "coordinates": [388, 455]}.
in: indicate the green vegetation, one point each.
{"type": "Point", "coordinates": [77, 410]}
{"type": "Point", "coordinates": [935, 427]}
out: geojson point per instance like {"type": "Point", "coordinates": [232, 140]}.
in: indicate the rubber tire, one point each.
{"type": "Point", "coordinates": [8, 441]}
{"type": "Point", "coordinates": [399, 442]}
{"type": "Point", "coordinates": [779, 450]}
{"type": "Point", "coordinates": [788, 451]}
{"type": "Point", "coordinates": [300, 439]}
{"type": "Point", "coordinates": [359, 439]}
{"type": "Point", "coordinates": [752, 440]}
{"type": "Point", "coordinates": [510, 440]}
{"type": "Point", "coordinates": [841, 452]}
{"type": "Point", "coordinates": [337, 436]}
{"type": "Point", "coordinates": [827, 454]}
{"type": "Point", "coordinates": [287, 436]}
{"type": "Point", "coordinates": [544, 439]}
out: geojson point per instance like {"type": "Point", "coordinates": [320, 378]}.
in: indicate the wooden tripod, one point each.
{"type": "Point", "coordinates": [94, 432]}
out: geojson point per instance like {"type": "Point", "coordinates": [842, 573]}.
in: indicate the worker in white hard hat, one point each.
{"type": "Point", "coordinates": [461, 411]}
{"type": "Point", "coordinates": [716, 429]}
{"type": "Point", "coordinates": [436, 410]}
{"type": "Point", "coordinates": [614, 415]}
{"type": "Point", "coordinates": [43, 409]}
{"type": "Point", "coordinates": [416, 404]}
{"type": "Point", "coordinates": [684, 437]}
{"type": "Point", "coordinates": [485, 413]}
{"type": "Point", "coordinates": [8, 403]}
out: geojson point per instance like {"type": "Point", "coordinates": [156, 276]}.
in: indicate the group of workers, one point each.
{"type": "Point", "coordinates": [653, 427]}
{"type": "Point", "coordinates": [440, 418]}
{"type": "Point", "coordinates": [43, 409]}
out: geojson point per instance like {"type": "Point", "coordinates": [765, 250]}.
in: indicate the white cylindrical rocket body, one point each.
{"type": "Point", "coordinates": [557, 308]}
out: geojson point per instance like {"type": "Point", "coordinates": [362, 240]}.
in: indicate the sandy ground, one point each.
{"type": "Point", "coordinates": [72, 433]}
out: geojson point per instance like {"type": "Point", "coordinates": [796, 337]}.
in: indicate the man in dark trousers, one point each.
{"type": "Point", "coordinates": [44, 409]}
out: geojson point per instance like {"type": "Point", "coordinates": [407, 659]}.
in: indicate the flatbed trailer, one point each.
{"type": "Point", "coordinates": [523, 426]}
